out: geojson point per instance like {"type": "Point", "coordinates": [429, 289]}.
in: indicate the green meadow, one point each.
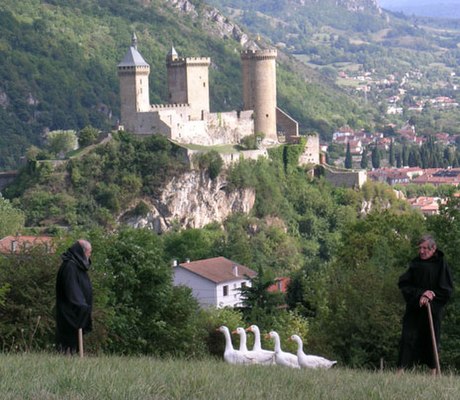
{"type": "Point", "coordinates": [45, 376]}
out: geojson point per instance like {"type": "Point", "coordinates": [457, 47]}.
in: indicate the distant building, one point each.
{"type": "Point", "coordinates": [281, 284]}
{"type": "Point", "coordinates": [426, 205]}
{"type": "Point", "coordinates": [19, 243]}
{"type": "Point", "coordinates": [215, 282]}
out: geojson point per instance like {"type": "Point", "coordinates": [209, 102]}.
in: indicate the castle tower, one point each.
{"type": "Point", "coordinates": [188, 82]}
{"type": "Point", "coordinates": [259, 89]}
{"type": "Point", "coordinates": [133, 73]}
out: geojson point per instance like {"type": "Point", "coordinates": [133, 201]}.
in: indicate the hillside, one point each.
{"type": "Point", "coordinates": [391, 60]}
{"type": "Point", "coordinates": [58, 66]}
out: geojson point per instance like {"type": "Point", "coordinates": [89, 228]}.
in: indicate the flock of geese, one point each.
{"type": "Point", "coordinates": [267, 357]}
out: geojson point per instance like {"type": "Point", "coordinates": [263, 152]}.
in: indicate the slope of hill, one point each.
{"type": "Point", "coordinates": [376, 52]}
{"type": "Point", "coordinates": [58, 66]}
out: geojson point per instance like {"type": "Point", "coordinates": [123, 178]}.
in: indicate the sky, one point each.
{"type": "Point", "coordinates": [432, 8]}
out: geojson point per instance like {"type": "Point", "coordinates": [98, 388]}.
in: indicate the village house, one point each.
{"type": "Point", "coordinates": [215, 282]}
{"type": "Point", "coordinates": [426, 205]}
{"type": "Point", "coordinates": [18, 244]}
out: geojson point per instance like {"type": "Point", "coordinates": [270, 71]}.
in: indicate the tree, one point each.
{"type": "Point", "coordinates": [87, 136]}
{"type": "Point", "coordinates": [375, 157]}
{"type": "Point", "coordinates": [61, 142]}
{"type": "Point", "coordinates": [348, 158]}
{"type": "Point", "coordinates": [391, 155]}
{"type": "Point", "coordinates": [12, 218]}
{"type": "Point", "coordinates": [364, 160]}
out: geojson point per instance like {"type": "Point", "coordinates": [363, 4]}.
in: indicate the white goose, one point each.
{"type": "Point", "coordinates": [257, 357]}
{"type": "Point", "coordinates": [310, 361]}
{"type": "Point", "coordinates": [265, 357]}
{"type": "Point", "coordinates": [282, 357]}
{"type": "Point", "coordinates": [242, 333]}
{"type": "Point", "coordinates": [231, 355]}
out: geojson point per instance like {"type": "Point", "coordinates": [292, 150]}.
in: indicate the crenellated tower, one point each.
{"type": "Point", "coordinates": [133, 74]}
{"type": "Point", "coordinates": [259, 89]}
{"type": "Point", "coordinates": [188, 82]}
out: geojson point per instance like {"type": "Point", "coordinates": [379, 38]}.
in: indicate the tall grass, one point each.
{"type": "Point", "coordinates": [44, 376]}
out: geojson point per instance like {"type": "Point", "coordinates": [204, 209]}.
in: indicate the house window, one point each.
{"type": "Point", "coordinates": [243, 284]}
{"type": "Point", "coordinates": [225, 290]}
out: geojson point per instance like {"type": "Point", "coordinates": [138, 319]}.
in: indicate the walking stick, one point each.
{"type": "Point", "coordinates": [80, 342]}
{"type": "Point", "coordinates": [433, 339]}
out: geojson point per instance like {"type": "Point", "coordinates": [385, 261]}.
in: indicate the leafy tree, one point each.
{"type": "Point", "coordinates": [88, 135]}
{"type": "Point", "coordinates": [25, 323]}
{"type": "Point", "coordinates": [12, 218]}
{"type": "Point", "coordinates": [356, 300]}
{"type": "Point", "coordinates": [61, 142]}
{"type": "Point", "coordinates": [210, 161]}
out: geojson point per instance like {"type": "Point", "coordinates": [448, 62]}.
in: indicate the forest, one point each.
{"type": "Point", "coordinates": [343, 250]}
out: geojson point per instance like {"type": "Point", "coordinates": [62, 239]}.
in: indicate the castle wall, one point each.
{"type": "Point", "coordinates": [177, 82]}
{"type": "Point", "coordinates": [311, 152]}
{"type": "Point", "coordinates": [229, 127]}
{"type": "Point", "coordinates": [287, 125]}
{"type": "Point", "coordinates": [351, 179]}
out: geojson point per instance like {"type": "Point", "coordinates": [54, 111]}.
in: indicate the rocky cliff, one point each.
{"type": "Point", "coordinates": [192, 201]}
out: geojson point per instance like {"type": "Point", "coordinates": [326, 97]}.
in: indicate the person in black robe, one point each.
{"type": "Point", "coordinates": [74, 296]}
{"type": "Point", "coordinates": [427, 280]}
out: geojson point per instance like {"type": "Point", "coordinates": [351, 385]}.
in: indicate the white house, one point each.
{"type": "Point", "coordinates": [215, 282]}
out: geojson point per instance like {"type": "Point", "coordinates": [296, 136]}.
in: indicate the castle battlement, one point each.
{"type": "Point", "coordinates": [190, 61]}
{"type": "Point", "coordinates": [259, 54]}
{"type": "Point", "coordinates": [165, 106]}
{"type": "Point", "coordinates": [133, 68]}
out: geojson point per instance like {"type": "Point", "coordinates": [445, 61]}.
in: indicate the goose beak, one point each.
{"type": "Point", "coordinates": [234, 332]}
{"type": "Point", "coordinates": [267, 336]}
{"type": "Point", "coordinates": [249, 329]}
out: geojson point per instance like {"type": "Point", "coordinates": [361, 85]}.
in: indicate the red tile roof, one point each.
{"type": "Point", "coordinates": [15, 244]}
{"type": "Point", "coordinates": [218, 269]}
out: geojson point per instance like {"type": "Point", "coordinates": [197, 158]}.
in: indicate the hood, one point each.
{"type": "Point", "coordinates": [77, 254]}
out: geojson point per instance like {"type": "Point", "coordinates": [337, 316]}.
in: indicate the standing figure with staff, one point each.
{"type": "Point", "coordinates": [426, 287]}
{"type": "Point", "coordinates": [74, 298]}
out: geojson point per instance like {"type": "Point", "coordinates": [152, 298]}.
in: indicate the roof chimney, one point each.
{"type": "Point", "coordinates": [235, 270]}
{"type": "Point", "coordinates": [14, 246]}
{"type": "Point", "coordinates": [174, 263]}
{"type": "Point", "coordinates": [187, 260]}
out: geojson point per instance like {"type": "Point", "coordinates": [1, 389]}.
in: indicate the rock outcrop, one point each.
{"type": "Point", "coordinates": [192, 201]}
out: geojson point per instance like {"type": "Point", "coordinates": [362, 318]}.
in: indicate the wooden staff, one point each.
{"type": "Point", "coordinates": [433, 339]}
{"type": "Point", "coordinates": [80, 342]}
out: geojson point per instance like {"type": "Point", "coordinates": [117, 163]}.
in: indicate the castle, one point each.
{"type": "Point", "coordinates": [187, 118]}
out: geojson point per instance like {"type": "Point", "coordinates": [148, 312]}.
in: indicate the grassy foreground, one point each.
{"type": "Point", "coordinates": [43, 376]}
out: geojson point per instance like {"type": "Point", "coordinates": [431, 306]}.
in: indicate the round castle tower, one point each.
{"type": "Point", "coordinates": [133, 74]}
{"type": "Point", "coordinates": [259, 89]}
{"type": "Point", "coordinates": [188, 82]}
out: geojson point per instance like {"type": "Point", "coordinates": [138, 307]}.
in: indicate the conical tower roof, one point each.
{"type": "Point", "coordinates": [132, 57]}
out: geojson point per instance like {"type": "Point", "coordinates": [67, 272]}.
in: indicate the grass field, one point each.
{"type": "Point", "coordinates": [44, 376]}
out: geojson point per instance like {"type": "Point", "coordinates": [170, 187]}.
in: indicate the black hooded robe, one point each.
{"type": "Point", "coordinates": [432, 274]}
{"type": "Point", "coordinates": [74, 298]}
